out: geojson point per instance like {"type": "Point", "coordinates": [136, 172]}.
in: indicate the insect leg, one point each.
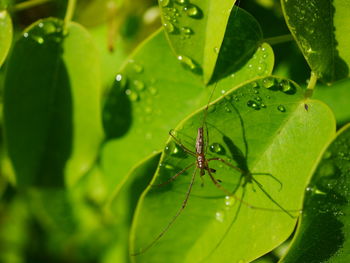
{"type": "Point", "coordinates": [181, 145]}
{"type": "Point", "coordinates": [175, 176]}
{"type": "Point", "coordinates": [184, 203]}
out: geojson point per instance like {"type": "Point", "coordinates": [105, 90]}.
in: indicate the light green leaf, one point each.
{"type": "Point", "coordinates": [196, 30]}
{"type": "Point", "coordinates": [264, 126]}
{"type": "Point", "coordinates": [51, 112]}
{"type": "Point", "coordinates": [322, 32]}
{"type": "Point", "coordinates": [147, 101]}
{"type": "Point", "coordinates": [5, 34]}
{"type": "Point", "coordinates": [323, 232]}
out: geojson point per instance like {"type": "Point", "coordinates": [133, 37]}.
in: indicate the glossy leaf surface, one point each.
{"type": "Point", "coordinates": [263, 126]}
{"type": "Point", "coordinates": [322, 32]}
{"type": "Point", "coordinates": [323, 233]}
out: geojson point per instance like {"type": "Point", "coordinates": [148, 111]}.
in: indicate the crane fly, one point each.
{"type": "Point", "coordinates": [201, 164]}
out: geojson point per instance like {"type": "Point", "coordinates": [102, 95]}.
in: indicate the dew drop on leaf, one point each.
{"type": "Point", "coordinates": [187, 62]}
{"type": "Point", "coordinates": [268, 83]}
{"type": "Point", "coordinates": [169, 27]}
{"type": "Point", "coordinates": [286, 87]}
{"type": "Point", "coordinates": [192, 11]}
{"type": "Point", "coordinates": [281, 108]}
{"type": "Point", "coordinates": [120, 81]}
{"type": "Point", "coordinates": [132, 95]}
{"type": "Point", "coordinates": [253, 104]}
{"type": "Point", "coordinates": [181, 2]}
{"type": "Point", "coordinates": [229, 201]}
{"type": "Point", "coordinates": [220, 216]}
{"type": "Point", "coordinates": [139, 85]}
{"type": "Point", "coordinates": [217, 148]}
{"type": "Point", "coordinates": [186, 30]}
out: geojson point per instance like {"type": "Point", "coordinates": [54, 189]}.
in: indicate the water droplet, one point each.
{"type": "Point", "coordinates": [253, 104]}
{"type": "Point", "coordinates": [186, 30]}
{"type": "Point", "coordinates": [220, 216]}
{"type": "Point", "coordinates": [223, 91]}
{"type": "Point", "coordinates": [169, 27]}
{"type": "Point", "coordinates": [187, 62]}
{"type": "Point", "coordinates": [175, 150]}
{"type": "Point", "coordinates": [132, 95]}
{"type": "Point", "coordinates": [192, 11]}
{"type": "Point", "coordinates": [137, 68]}
{"type": "Point", "coordinates": [262, 105]}
{"type": "Point", "coordinates": [258, 98]}
{"type": "Point", "coordinates": [139, 85]}
{"type": "Point", "coordinates": [269, 83]}
{"type": "Point", "coordinates": [229, 201]}
{"type": "Point", "coordinates": [281, 108]}
{"type": "Point", "coordinates": [227, 109]}
{"type": "Point", "coordinates": [216, 50]}
{"type": "Point", "coordinates": [286, 87]}
{"type": "Point", "coordinates": [217, 148]}
{"type": "Point", "coordinates": [120, 81]}
{"type": "Point", "coordinates": [26, 35]}
{"type": "Point", "coordinates": [164, 3]}
{"type": "Point", "coordinates": [38, 39]}
{"type": "Point", "coordinates": [181, 2]}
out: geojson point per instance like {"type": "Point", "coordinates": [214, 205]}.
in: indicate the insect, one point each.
{"type": "Point", "coordinates": [201, 165]}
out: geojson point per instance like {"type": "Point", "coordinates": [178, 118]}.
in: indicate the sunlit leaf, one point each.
{"type": "Point", "coordinates": [264, 126]}
{"type": "Point", "coordinates": [148, 100]}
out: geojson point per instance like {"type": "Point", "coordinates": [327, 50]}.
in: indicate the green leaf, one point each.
{"type": "Point", "coordinates": [264, 126]}
{"type": "Point", "coordinates": [323, 231]}
{"type": "Point", "coordinates": [51, 112]}
{"type": "Point", "coordinates": [5, 34]}
{"type": "Point", "coordinates": [322, 32]}
{"type": "Point", "coordinates": [196, 31]}
{"type": "Point", "coordinates": [147, 101]}
{"type": "Point", "coordinates": [124, 203]}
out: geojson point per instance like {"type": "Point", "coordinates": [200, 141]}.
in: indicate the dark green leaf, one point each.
{"type": "Point", "coordinates": [323, 232]}
{"type": "Point", "coordinates": [52, 104]}
{"type": "Point", "coordinates": [322, 32]}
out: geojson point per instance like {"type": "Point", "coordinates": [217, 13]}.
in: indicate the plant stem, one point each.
{"type": "Point", "coordinates": [69, 12]}
{"type": "Point", "coordinates": [28, 4]}
{"type": "Point", "coordinates": [279, 39]}
{"type": "Point", "coordinates": [311, 85]}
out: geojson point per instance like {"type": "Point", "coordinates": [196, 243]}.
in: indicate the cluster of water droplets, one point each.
{"type": "Point", "coordinates": [257, 64]}
{"type": "Point", "coordinates": [46, 31]}
{"type": "Point", "coordinates": [223, 213]}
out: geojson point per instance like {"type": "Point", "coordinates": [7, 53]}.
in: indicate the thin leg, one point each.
{"type": "Point", "coordinates": [227, 163]}
{"type": "Point", "coordinates": [181, 145]}
{"type": "Point", "coordinates": [175, 176]}
{"type": "Point", "coordinates": [184, 203]}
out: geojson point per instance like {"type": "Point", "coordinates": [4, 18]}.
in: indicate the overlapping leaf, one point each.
{"type": "Point", "coordinates": [322, 32]}
{"type": "Point", "coordinates": [264, 126]}
{"type": "Point", "coordinates": [5, 34]}
{"type": "Point", "coordinates": [148, 100]}
{"type": "Point", "coordinates": [323, 233]}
